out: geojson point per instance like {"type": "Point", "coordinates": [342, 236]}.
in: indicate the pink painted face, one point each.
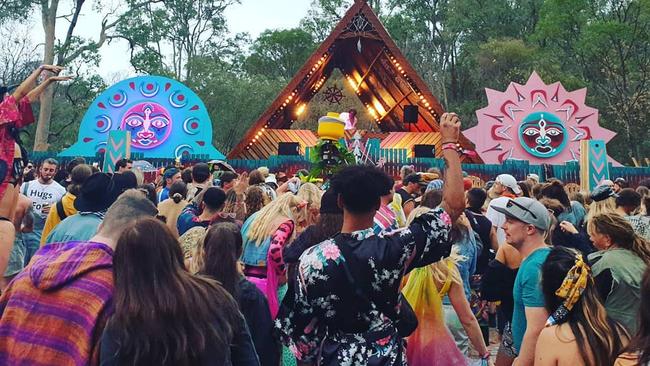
{"type": "Point", "coordinates": [149, 123]}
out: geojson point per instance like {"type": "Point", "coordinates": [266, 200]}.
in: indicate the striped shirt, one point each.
{"type": "Point", "coordinates": [385, 220]}
{"type": "Point", "coordinates": [54, 312]}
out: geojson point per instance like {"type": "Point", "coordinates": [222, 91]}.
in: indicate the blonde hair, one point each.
{"type": "Point", "coordinates": [417, 212]}
{"type": "Point", "coordinates": [311, 193]}
{"type": "Point", "coordinates": [605, 206]}
{"type": "Point", "coordinates": [440, 269]}
{"type": "Point", "coordinates": [621, 233]}
{"type": "Point", "coordinates": [139, 176]}
{"type": "Point", "coordinates": [286, 206]}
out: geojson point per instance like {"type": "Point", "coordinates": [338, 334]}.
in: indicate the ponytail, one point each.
{"type": "Point", "coordinates": [641, 247]}
{"type": "Point", "coordinates": [177, 197]}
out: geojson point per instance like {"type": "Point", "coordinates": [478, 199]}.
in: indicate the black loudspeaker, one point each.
{"type": "Point", "coordinates": [411, 114]}
{"type": "Point", "coordinates": [424, 151]}
{"type": "Point", "coordinates": [288, 148]}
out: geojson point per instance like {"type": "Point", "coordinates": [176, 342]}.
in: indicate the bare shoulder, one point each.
{"type": "Point", "coordinates": [557, 335]}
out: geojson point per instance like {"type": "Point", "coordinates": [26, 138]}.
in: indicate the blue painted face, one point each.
{"type": "Point", "coordinates": [542, 134]}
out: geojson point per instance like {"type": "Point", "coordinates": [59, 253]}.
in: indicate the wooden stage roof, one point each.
{"type": "Point", "coordinates": [361, 48]}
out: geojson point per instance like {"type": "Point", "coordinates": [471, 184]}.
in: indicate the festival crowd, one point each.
{"type": "Point", "coordinates": [208, 266]}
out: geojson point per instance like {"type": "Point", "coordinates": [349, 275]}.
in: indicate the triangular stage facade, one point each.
{"type": "Point", "coordinates": [385, 82]}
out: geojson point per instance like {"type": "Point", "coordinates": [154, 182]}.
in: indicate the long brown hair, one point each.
{"type": "Point", "coordinates": [255, 200]}
{"type": "Point", "coordinates": [641, 342]}
{"type": "Point", "coordinates": [163, 314]}
{"type": "Point", "coordinates": [620, 233]}
{"type": "Point", "coordinates": [599, 338]}
{"type": "Point", "coordinates": [222, 248]}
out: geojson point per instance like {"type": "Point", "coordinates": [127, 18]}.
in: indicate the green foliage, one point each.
{"type": "Point", "coordinates": [279, 53]}
{"type": "Point", "coordinates": [320, 168]}
{"type": "Point", "coordinates": [459, 47]}
{"type": "Point", "coordinates": [15, 10]}
{"type": "Point", "coordinates": [233, 101]}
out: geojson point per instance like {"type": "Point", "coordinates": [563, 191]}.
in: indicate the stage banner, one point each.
{"type": "Point", "coordinates": [594, 167]}
{"type": "Point", "coordinates": [118, 147]}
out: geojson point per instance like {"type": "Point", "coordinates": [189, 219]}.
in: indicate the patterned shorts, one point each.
{"type": "Point", "coordinates": [507, 346]}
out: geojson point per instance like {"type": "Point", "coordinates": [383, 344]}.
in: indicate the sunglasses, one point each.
{"type": "Point", "coordinates": [513, 203]}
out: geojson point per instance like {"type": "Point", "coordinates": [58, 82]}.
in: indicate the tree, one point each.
{"type": "Point", "coordinates": [18, 55]}
{"type": "Point", "coordinates": [164, 38]}
{"type": "Point", "coordinates": [233, 100]}
{"type": "Point", "coordinates": [279, 54]}
{"type": "Point", "coordinates": [606, 42]}
{"type": "Point", "coordinates": [69, 49]}
{"type": "Point", "coordinates": [14, 9]}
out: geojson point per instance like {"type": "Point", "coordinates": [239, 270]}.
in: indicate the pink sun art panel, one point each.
{"type": "Point", "coordinates": [541, 123]}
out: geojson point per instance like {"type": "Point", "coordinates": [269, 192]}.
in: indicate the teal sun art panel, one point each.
{"type": "Point", "coordinates": [165, 118]}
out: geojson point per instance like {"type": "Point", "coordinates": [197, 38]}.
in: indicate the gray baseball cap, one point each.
{"type": "Point", "coordinates": [527, 210]}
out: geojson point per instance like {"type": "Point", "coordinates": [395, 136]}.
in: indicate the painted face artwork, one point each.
{"type": "Point", "coordinates": [149, 124]}
{"type": "Point", "coordinates": [542, 134]}
{"type": "Point", "coordinates": [164, 117]}
{"type": "Point", "coordinates": [536, 122]}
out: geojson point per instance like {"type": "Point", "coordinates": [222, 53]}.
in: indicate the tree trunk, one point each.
{"type": "Point", "coordinates": [45, 112]}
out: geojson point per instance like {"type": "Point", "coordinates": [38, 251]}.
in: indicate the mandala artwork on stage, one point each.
{"type": "Point", "coordinates": [333, 95]}
{"type": "Point", "coordinates": [535, 122]}
{"type": "Point", "coordinates": [165, 118]}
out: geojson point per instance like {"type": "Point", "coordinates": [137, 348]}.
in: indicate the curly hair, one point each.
{"type": "Point", "coordinates": [255, 200]}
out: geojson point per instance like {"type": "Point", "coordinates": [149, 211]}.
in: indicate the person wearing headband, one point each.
{"type": "Point", "coordinates": [578, 331]}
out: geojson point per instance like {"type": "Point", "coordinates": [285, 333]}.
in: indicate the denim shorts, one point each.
{"type": "Point", "coordinates": [16, 257]}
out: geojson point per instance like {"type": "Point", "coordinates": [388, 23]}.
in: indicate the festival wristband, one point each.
{"type": "Point", "coordinates": [458, 148]}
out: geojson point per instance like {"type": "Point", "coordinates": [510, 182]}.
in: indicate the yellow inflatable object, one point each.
{"type": "Point", "coordinates": [331, 127]}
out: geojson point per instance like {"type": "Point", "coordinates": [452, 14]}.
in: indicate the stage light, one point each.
{"type": "Point", "coordinates": [379, 107]}
{"type": "Point", "coordinates": [301, 109]}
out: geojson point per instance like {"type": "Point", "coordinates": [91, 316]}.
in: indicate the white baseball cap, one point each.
{"type": "Point", "coordinates": [509, 181]}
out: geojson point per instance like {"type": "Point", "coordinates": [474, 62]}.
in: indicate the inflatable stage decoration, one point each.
{"type": "Point", "coordinates": [329, 155]}
{"type": "Point", "coordinates": [541, 123]}
{"type": "Point", "coordinates": [164, 117]}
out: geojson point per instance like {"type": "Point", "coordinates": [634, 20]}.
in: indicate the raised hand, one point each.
{"type": "Point", "coordinates": [449, 127]}
{"type": "Point", "coordinates": [55, 69]}
{"type": "Point", "coordinates": [60, 78]}
{"type": "Point", "coordinates": [35, 93]}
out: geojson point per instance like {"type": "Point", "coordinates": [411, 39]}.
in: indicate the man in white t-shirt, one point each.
{"type": "Point", "coordinates": [44, 194]}
{"type": "Point", "coordinates": [505, 185]}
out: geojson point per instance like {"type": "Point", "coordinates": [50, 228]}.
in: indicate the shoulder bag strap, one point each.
{"type": "Point", "coordinates": [60, 210]}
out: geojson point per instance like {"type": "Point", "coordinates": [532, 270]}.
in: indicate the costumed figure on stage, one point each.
{"type": "Point", "coordinates": [329, 155]}
{"type": "Point", "coordinates": [350, 119]}
{"type": "Point", "coordinates": [16, 113]}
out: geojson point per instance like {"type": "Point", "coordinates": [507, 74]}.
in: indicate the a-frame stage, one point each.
{"type": "Point", "coordinates": [385, 82]}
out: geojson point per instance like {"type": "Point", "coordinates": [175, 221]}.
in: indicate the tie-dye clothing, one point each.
{"type": "Point", "coordinates": [431, 343]}
{"type": "Point", "coordinates": [54, 311]}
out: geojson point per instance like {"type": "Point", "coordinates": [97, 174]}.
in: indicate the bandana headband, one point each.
{"type": "Point", "coordinates": [572, 287]}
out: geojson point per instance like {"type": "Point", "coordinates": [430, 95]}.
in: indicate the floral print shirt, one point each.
{"type": "Point", "coordinates": [325, 320]}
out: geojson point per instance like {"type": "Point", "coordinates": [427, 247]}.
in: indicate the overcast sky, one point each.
{"type": "Point", "coordinates": [252, 16]}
